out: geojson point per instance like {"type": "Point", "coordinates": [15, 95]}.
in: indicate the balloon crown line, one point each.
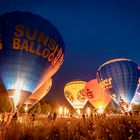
{"type": "Point", "coordinates": [114, 60]}
{"type": "Point", "coordinates": [76, 82]}
{"type": "Point", "coordinates": [34, 15]}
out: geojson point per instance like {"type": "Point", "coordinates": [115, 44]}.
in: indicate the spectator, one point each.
{"type": "Point", "coordinates": [54, 116]}
{"type": "Point", "coordinates": [50, 116]}
{"type": "Point", "coordinates": [15, 117]}
{"type": "Point", "coordinates": [33, 118]}
{"type": "Point", "coordinates": [84, 117]}
{"type": "Point", "coordinates": [91, 115]}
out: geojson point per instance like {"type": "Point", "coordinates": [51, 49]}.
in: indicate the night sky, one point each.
{"type": "Point", "coordinates": [94, 32]}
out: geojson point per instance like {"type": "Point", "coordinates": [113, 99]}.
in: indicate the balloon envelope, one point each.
{"type": "Point", "coordinates": [97, 96]}
{"type": "Point", "coordinates": [31, 51]}
{"type": "Point", "coordinates": [119, 77]}
{"type": "Point", "coordinates": [74, 93]}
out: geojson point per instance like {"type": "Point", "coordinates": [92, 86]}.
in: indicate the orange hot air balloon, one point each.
{"type": "Point", "coordinates": [97, 96]}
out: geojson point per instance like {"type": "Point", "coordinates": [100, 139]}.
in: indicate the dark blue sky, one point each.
{"type": "Point", "coordinates": [94, 32]}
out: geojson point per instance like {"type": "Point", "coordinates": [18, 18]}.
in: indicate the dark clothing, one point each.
{"type": "Point", "coordinates": [33, 116]}
{"type": "Point", "coordinates": [15, 116]}
{"type": "Point", "coordinates": [54, 116]}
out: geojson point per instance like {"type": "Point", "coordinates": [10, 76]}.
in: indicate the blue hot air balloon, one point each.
{"type": "Point", "coordinates": [119, 77]}
{"type": "Point", "coordinates": [31, 51]}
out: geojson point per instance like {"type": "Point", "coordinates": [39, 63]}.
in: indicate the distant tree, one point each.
{"type": "Point", "coordinates": [36, 108]}
{"type": "Point", "coordinates": [45, 107]}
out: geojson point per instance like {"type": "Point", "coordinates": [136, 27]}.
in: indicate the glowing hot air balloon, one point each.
{"type": "Point", "coordinates": [119, 77]}
{"type": "Point", "coordinates": [31, 51]}
{"type": "Point", "coordinates": [74, 93]}
{"type": "Point", "coordinates": [97, 96]}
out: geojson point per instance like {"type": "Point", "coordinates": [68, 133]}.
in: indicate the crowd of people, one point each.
{"type": "Point", "coordinates": [7, 118]}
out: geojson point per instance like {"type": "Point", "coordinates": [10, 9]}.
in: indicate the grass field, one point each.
{"type": "Point", "coordinates": [118, 127]}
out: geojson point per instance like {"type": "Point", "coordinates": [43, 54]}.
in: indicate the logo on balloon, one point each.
{"type": "Point", "coordinates": [69, 96]}
{"type": "Point", "coordinates": [107, 83]}
{"type": "Point", "coordinates": [81, 96]}
{"type": "Point", "coordinates": [34, 41]}
{"type": "Point", "coordinates": [89, 94]}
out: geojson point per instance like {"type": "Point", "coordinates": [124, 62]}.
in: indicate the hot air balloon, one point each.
{"type": "Point", "coordinates": [31, 51]}
{"type": "Point", "coordinates": [74, 93]}
{"type": "Point", "coordinates": [97, 96]}
{"type": "Point", "coordinates": [119, 77]}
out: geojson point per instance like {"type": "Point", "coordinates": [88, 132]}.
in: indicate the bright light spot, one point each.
{"type": "Point", "coordinates": [65, 111]}
{"type": "Point", "coordinates": [88, 111]}
{"type": "Point", "coordinates": [78, 111]}
{"type": "Point", "coordinates": [130, 107]}
{"type": "Point", "coordinates": [100, 109]}
{"type": "Point", "coordinates": [16, 97]}
{"type": "Point", "coordinates": [26, 108]}
{"type": "Point", "coordinates": [60, 110]}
